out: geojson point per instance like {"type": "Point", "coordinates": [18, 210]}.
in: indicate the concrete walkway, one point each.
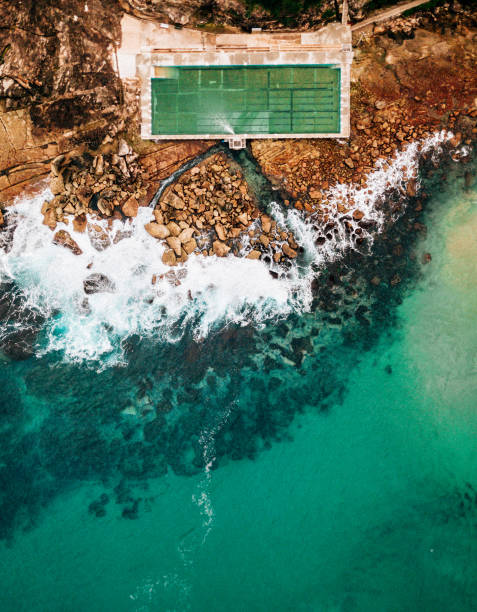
{"type": "Point", "coordinates": [387, 14]}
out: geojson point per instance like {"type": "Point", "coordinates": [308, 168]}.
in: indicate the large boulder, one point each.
{"type": "Point", "coordinates": [156, 230]}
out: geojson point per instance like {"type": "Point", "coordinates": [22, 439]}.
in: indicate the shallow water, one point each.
{"type": "Point", "coordinates": [321, 460]}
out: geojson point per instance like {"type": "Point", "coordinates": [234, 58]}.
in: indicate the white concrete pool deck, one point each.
{"type": "Point", "coordinates": [146, 45]}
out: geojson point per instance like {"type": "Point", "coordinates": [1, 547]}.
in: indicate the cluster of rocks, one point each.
{"type": "Point", "coordinates": [452, 14]}
{"type": "Point", "coordinates": [403, 89]}
{"type": "Point", "coordinates": [211, 211]}
{"type": "Point", "coordinates": [93, 186]}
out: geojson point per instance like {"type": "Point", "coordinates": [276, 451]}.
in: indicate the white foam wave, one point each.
{"type": "Point", "coordinates": [211, 291]}
{"type": "Point", "coordinates": [388, 175]}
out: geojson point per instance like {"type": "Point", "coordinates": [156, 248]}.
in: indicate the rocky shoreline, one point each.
{"type": "Point", "coordinates": [411, 77]}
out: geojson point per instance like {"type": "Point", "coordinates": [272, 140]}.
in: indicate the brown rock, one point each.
{"type": "Point", "coordinates": [169, 258]}
{"type": "Point", "coordinates": [426, 258]}
{"type": "Point", "coordinates": [84, 196]}
{"type": "Point", "coordinates": [219, 228]}
{"type": "Point", "coordinates": [159, 217]}
{"type": "Point", "coordinates": [396, 279]}
{"type": "Point", "coordinates": [174, 243]}
{"type": "Point", "coordinates": [175, 201]}
{"type": "Point", "coordinates": [62, 238]}
{"type": "Point", "coordinates": [243, 218]}
{"type": "Point", "coordinates": [190, 246]}
{"type": "Point", "coordinates": [156, 230]}
{"type": "Point", "coordinates": [2, 220]}
{"type": "Point", "coordinates": [173, 228]}
{"type": "Point", "coordinates": [266, 223]}
{"type": "Point", "coordinates": [292, 242]}
{"type": "Point", "coordinates": [57, 185]}
{"type": "Point", "coordinates": [79, 223]}
{"type": "Point", "coordinates": [254, 254]}
{"type": "Point", "coordinates": [49, 218]}
{"type": "Point", "coordinates": [105, 206]}
{"type": "Point", "coordinates": [220, 248]}
{"type": "Point", "coordinates": [56, 164]}
{"type": "Point", "coordinates": [358, 215]}
{"type": "Point", "coordinates": [289, 252]}
{"type": "Point", "coordinates": [99, 165]}
{"type": "Point", "coordinates": [123, 148]}
{"type": "Point", "coordinates": [411, 188]}
{"type": "Point", "coordinates": [130, 207]}
{"type": "Point", "coordinates": [265, 240]}
{"type": "Point", "coordinates": [184, 256]}
{"type": "Point", "coordinates": [380, 104]}
{"type": "Point", "coordinates": [456, 140]}
{"type": "Point", "coordinates": [98, 236]}
{"type": "Point", "coordinates": [46, 205]}
{"type": "Point", "coordinates": [376, 280]}
{"type": "Point", "coordinates": [349, 162]}
{"type": "Point", "coordinates": [186, 234]}
{"type": "Point", "coordinates": [235, 232]}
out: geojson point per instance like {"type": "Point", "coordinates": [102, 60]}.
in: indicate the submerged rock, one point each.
{"type": "Point", "coordinates": [98, 236]}
{"type": "Point", "coordinates": [98, 283]}
{"type": "Point", "coordinates": [19, 345]}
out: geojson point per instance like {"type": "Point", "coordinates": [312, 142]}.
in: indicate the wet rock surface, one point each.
{"type": "Point", "coordinates": [211, 210]}
{"type": "Point", "coordinates": [62, 238]}
{"type": "Point", "coordinates": [98, 283]}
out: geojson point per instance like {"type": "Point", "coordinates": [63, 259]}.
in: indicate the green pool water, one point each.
{"type": "Point", "coordinates": [246, 100]}
{"type": "Point", "coordinates": [369, 506]}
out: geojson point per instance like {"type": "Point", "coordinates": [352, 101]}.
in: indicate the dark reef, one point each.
{"type": "Point", "coordinates": [229, 397]}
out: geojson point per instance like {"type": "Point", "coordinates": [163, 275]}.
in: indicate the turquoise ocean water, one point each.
{"type": "Point", "coordinates": [323, 461]}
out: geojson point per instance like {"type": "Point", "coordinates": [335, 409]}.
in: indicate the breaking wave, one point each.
{"type": "Point", "coordinates": [202, 295]}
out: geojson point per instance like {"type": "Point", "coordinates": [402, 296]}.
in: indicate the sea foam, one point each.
{"type": "Point", "coordinates": [205, 293]}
